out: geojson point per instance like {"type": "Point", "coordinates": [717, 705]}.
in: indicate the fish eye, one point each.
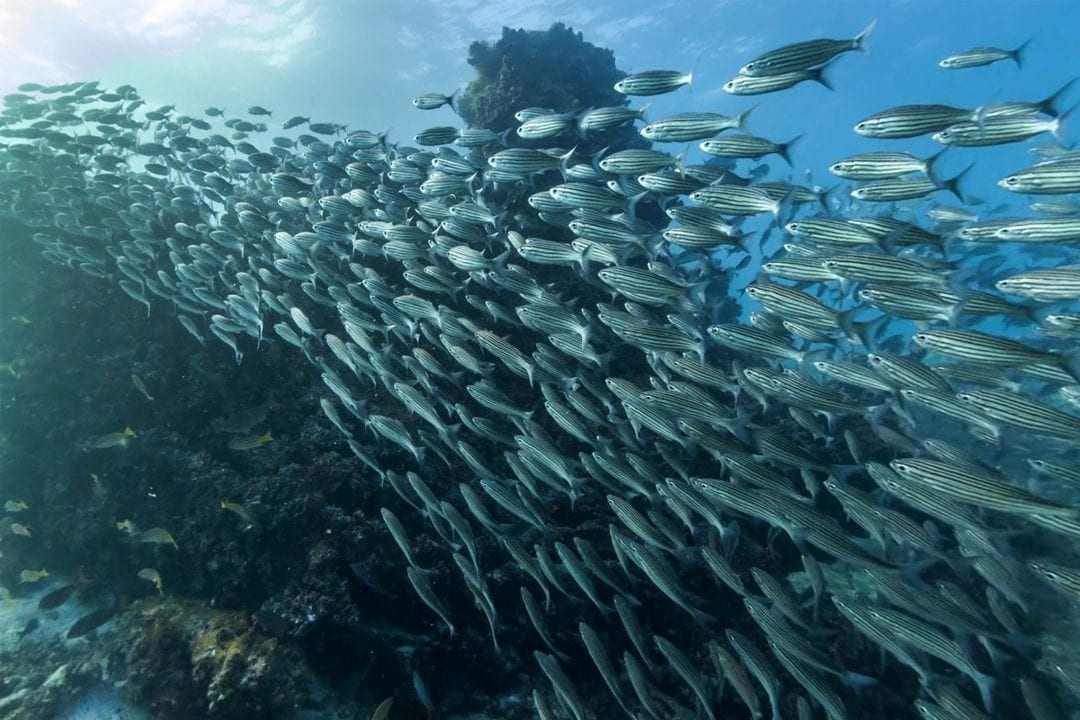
{"type": "Point", "coordinates": [830, 264]}
{"type": "Point", "coordinates": [921, 337]}
{"type": "Point", "coordinates": [751, 65]}
{"type": "Point", "coordinates": [1011, 180]}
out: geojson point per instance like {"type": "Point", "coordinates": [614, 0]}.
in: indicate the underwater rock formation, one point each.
{"type": "Point", "coordinates": [176, 658]}
{"type": "Point", "coordinates": [182, 659]}
{"type": "Point", "coordinates": [552, 68]}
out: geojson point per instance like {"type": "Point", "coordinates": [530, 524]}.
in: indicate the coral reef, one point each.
{"type": "Point", "coordinates": [176, 658]}
{"type": "Point", "coordinates": [552, 68]}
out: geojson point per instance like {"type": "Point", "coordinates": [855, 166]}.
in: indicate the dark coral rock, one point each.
{"type": "Point", "coordinates": [183, 659]}
{"type": "Point", "coordinates": [553, 69]}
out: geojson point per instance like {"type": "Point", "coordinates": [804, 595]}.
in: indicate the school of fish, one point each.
{"type": "Point", "coordinates": [818, 503]}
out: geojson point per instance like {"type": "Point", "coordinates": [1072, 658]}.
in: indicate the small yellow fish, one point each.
{"type": "Point", "coordinates": [383, 710]}
{"type": "Point", "coordinates": [20, 529]}
{"type": "Point", "coordinates": [14, 506]}
{"type": "Point", "coordinates": [127, 526]}
{"type": "Point", "coordinates": [116, 439]}
{"type": "Point", "coordinates": [152, 575]}
{"type": "Point", "coordinates": [5, 595]}
{"type": "Point", "coordinates": [29, 576]}
{"type": "Point", "coordinates": [240, 510]}
{"type": "Point", "coordinates": [250, 442]}
{"type": "Point", "coordinates": [8, 367]}
{"type": "Point", "coordinates": [159, 536]}
{"type": "Point", "coordinates": [22, 319]}
{"type": "Point", "coordinates": [137, 381]}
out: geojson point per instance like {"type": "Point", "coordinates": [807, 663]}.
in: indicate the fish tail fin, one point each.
{"type": "Point", "coordinates": [453, 99]}
{"type": "Point", "coordinates": [1050, 104]}
{"type": "Point", "coordinates": [564, 160]}
{"type": "Point", "coordinates": [1019, 54]}
{"type": "Point", "coordinates": [785, 149]}
{"type": "Point", "coordinates": [693, 69]}
{"type": "Point", "coordinates": [818, 76]}
{"type": "Point", "coordinates": [931, 164]}
{"type": "Point", "coordinates": [741, 118]}
{"type": "Point", "coordinates": [953, 184]}
{"type": "Point", "coordinates": [579, 126]}
{"type": "Point", "coordinates": [859, 682]}
{"type": "Point", "coordinates": [986, 690]}
{"type": "Point", "coordinates": [583, 262]}
{"type": "Point", "coordinates": [859, 42]}
{"type": "Point", "coordinates": [1057, 127]}
{"type": "Point", "coordinates": [825, 195]}
{"type": "Point", "coordinates": [1071, 364]}
{"type": "Point", "coordinates": [631, 206]}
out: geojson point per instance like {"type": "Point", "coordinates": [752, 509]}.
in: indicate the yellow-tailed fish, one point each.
{"type": "Point", "coordinates": [29, 576]}
{"type": "Point", "coordinates": [20, 529]}
{"type": "Point", "coordinates": [14, 506]}
{"type": "Point", "coordinates": [116, 439]}
{"type": "Point", "coordinates": [158, 536]}
{"type": "Point", "coordinates": [250, 442]}
{"type": "Point", "coordinates": [240, 510]}
{"type": "Point", "coordinates": [153, 576]}
{"type": "Point", "coordinates": [127, 526]}
{"type": "Point", "coordinates": [138, 383]}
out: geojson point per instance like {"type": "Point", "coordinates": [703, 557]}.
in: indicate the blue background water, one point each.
{"type": "Point", "coordinates": [361, 63]}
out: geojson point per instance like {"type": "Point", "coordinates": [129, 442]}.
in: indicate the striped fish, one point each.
{"type": "Point", "coordinates": [747, 146]}
{"type": "Point", "coordinates": [736, 200]}
{"type": "Point", "coordinates": [536, 617]}
{"type": "Point", "coordinates": [908, 121]}
{"type": "Point", "coordinates": [755, 661]}
{"type": "Point", "coordinates": [653, 82]}
{"type": "Point", "coordinates": [1044, 285]}
{"type": "Point", "coordinates": [682, 666]}
{"type": "Point", "coordinates": [605, 118]}
{"type": "Point", "coordinates": [598, 652]}
{"type": "Point", "coordinates": [759, 85]}
{"type": "Point", "coordinates": [803, 55]}
{"type": "Point", "coordinates": [997, 130]}
{"type": "Point", "coordinates": [564, 689]}
{"type": "Point", "coordinates": [979, 56]}
{"type": "Point", "coordinates": [974, 488]}
{"type": "Point", "coordinates": [881, 165]}
{"type": "Point", "coordinates": [422, 585]}
{"type": "Point", "coordinates": [636, 161]}
{"type": "Point", "coordinates": [689, 126]}
{"type": "Point", "coordinates": [923, 636]}
{"type": "Point", "coordinates": [730, 669]}
{"type": "Point", "coordinates": [1014, 409]}
{"type": "Point", "coordinates": [896, 189]}
{"type": "Point", "coordinates": [1046, 178]}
